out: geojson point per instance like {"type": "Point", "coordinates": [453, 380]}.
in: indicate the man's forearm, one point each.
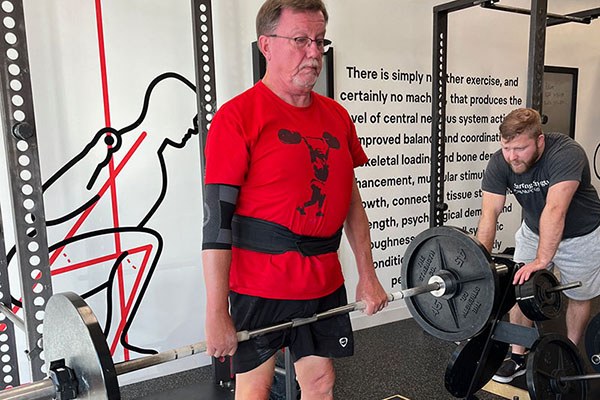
{"type": "Point", "coordinates": [552, 223]}
{"type": "Point", "coordinates": [216, 264]}
{"type": "Point", "coordinates": [359, 237]}
{"type": "Point", "coordinates": [486, 231]}
{"type": "Point", "coordinates": [491, 207]}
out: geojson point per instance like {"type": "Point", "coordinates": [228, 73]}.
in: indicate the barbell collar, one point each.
{"type": "Point", "coordinates": [448, 284]}
{"type": "Point", "coordinates": [595, 359]}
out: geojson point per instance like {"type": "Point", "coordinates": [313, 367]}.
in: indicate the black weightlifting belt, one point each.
{"type": "Point", "coordinates": [271, 238]}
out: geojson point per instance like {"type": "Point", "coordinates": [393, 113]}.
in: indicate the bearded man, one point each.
{"type": "Point", "coordinates": [549, 175]}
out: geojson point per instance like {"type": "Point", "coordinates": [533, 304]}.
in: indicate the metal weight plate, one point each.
{"type": "Point", "coordinates": [535, 301]}
{"type": "Point", "coordinates": [461, 373]}
{"type": "Point", "coordinates": [72, 333]}
{"type": "Point", "coordinates": [592, 342]}
{"type": "Point", "coordinates": [553, 356]}
{"type": "Point", "coordinates": [464, 314]}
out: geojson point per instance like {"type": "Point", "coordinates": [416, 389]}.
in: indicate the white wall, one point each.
{"type": "Point", "coordinates": [574, 45]}
{"type": "Point", "coordinates": [146, 38]}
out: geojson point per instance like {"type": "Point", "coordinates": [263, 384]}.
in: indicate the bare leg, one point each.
{"type": "Point", "coordinates": [316, 377]}
{"type": "Point", "coordinates": [517, 317]}
{"type": "Point", "coordinates": [578, 315]}
{"type": "Point", "coordinates": [255, 384]}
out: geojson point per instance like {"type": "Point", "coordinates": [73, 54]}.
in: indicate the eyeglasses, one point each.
{"type": "Point", "coordinates": [302, 42]}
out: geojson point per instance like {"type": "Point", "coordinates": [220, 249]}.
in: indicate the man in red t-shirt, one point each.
{"type": "Point", "coordinates": [280, 187]}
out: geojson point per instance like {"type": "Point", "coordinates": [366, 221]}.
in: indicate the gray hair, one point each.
{"type": "Point", "coordinates": [268, 16]}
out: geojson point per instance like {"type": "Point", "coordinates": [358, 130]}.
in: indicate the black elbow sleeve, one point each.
{"type": "Point", "coordinates": [219, 206]}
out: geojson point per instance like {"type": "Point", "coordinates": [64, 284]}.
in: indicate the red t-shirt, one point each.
{"type": "Point", "coordinates": [294, 167]}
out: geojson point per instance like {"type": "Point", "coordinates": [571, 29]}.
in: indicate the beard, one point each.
{"type": "Point", "coordinates": [523, 166]}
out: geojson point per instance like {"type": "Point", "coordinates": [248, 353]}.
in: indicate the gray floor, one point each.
{"type": "Point", "coordinates": [396, 359]}
{"type": "Point", "coordinates": [195, 384]}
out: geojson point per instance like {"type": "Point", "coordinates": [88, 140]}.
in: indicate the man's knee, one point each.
{"type": "Point", "coordinates": [321, 383]}
{"type": "Point", "coordinates": [255, 384]}
{"type": "Point", "coordinates": [316, 376]}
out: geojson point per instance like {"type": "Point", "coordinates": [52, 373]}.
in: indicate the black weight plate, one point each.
{"type": "Point", "coordinates": [466, 313]}
{"type": "Point", "coordinates": [461, 373]}
{"type": "Point", "coordinates": [592, 342]}
{"type": "Point", "coordinates": [534, 300]}
{"type": "Point", "coordinates": [552, 356]}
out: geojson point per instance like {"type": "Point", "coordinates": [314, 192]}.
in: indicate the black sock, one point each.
{"type": "Point", "coordinates": [518, 358]}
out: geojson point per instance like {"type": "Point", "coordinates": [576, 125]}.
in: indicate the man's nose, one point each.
{"type": "Point", "coordinates": [313, 50]}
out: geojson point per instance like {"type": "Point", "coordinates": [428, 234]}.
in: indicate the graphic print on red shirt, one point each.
{"type": "Point", "coordinates": [319, 154]}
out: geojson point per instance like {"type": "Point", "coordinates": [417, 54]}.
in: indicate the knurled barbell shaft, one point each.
{"type": "Point", "coordinates": [578, 377]}
{"type": "Point", "coordinates": [200, 347]}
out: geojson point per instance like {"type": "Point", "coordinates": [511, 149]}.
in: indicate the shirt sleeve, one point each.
{"type": "Point", "coordinates": [567, 164]}
{"type": "Point", "coordinates": [226, 151]}
{"type": "Point", "coordinates": [494, 178]}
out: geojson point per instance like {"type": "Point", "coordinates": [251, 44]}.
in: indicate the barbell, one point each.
{"type": "Point", "coordinates": [455, 289]}
{"type": "Point", "coordinates": [73, 335]}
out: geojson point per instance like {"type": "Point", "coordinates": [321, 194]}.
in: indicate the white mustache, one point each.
{"type": "Point", "coordinates": [310, 64]}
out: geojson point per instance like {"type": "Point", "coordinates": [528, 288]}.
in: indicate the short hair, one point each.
{"type": "Point", "coordinates": [521, 121]}
{"type": "Point", "coordinates": [268, 16]}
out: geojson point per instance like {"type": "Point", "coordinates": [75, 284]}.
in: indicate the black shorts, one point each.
{"type": "Point", "coordinates": [330, 337]}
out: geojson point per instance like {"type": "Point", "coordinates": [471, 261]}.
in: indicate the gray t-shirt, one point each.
{"type": "Point", "coordinates": [563, 159]}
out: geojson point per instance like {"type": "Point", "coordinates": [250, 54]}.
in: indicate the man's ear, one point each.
{"type": "Point", "coordinates": [264, 45]}
{"type": "Point", "coordinates": [541, 140]}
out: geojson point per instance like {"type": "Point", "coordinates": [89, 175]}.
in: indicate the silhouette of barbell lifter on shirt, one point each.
{"type": "Point", "coordinates": [318, 148]}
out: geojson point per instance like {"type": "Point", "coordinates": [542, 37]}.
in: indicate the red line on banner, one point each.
{"type": "Point", "coordinates": [113, 186]}
{"type": "Point", "coordinates": [102, 54]}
